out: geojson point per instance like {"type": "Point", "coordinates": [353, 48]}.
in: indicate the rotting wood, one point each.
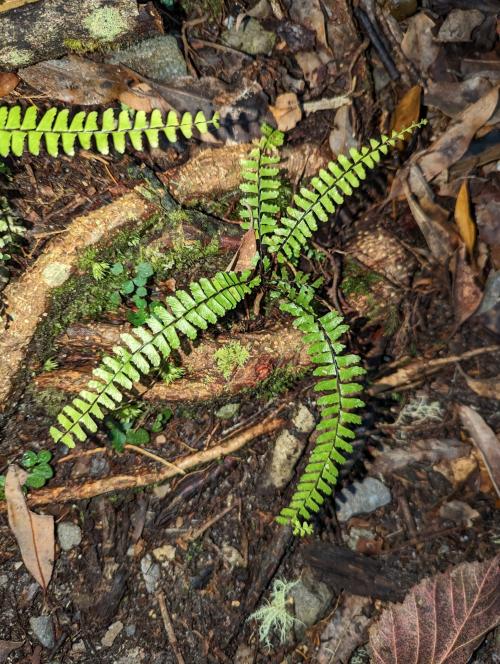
{"type": "Point", "coordinates": [275, 347]}
{"type": "Point", "coordinates": [28, 297]}
{"type": "Point", "coordinates": [43, 30]}
{"type": "Point", "coordinates": [68, 493]}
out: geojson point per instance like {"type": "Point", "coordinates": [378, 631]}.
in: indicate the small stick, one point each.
{"type": "Point", "coordinates": [169, 628]}
{"type": "Point", "coordinates": [195, 534]}
{"type": "Point", "coordinates": [155, 457]}
{"type": "Point", "coordinates": [378, 44]}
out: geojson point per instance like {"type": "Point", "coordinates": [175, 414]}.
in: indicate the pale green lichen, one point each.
{"type": "Point", "coordinates": [275, 617]}
{"type": "Point", "coordinates": [105, 24]}
{"type": "Point", "coordinates": [16, 57]}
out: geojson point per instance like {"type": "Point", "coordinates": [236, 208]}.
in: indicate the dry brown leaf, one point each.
{"type": "Point", "coordinates": [286, 111]}
{"type": "Point", "coordinates": [442, 620]}
{"type": "Point", "coordinates": [346, 630]}
{"type": "Point", "coordinates": [485, 387]}
{"type": "Point", "coordinates": [243, 259]}
{"type": "Point", "coordinates": [485, 440]}
{"type": "Point", "coordinates": [309, 14]}
{"type": "Point", "coordinates": [34, 532]}
{"type": "Point", "coordinates": [408, 109]}
{"type": "Point", "coordinates": [418, 43]}
{"type": "Point", "coordinates": [7, 5]}
{"type": "Point", "coordinates": [6, 647]}
{"type": "Point", "coordinates": [467, 295]}
{"type": "Point", "coordinates": [8, 82]}
{"type": "Point", "coordinates": [428, 450]}
{"type": "Point", "coordinates": [463, 218]}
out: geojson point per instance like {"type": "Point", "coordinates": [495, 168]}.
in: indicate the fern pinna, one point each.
{"type": "Point", "coordinates": [146, 346]}
{"type": "Point", "coordinates": [24, 129]}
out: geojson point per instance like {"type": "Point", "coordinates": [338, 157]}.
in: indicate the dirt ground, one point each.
{"type": "Point", "coordinates": [169, 568]}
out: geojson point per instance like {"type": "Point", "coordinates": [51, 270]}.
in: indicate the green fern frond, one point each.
{"type": "Point", "coordinates": [11, 232]}
{"type": "Point", "coordinates": [327, 192]}
{"type": "Point", "coordinates": [337, 372]}
{"type": "Point", "coordinates": [145, 347]}
{"type": "Point", "coordinates": [261, 186]}
{"type": "Point", "coordinates": [20, 130]}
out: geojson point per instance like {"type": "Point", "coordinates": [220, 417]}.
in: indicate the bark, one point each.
{"type": "Point", "coordinates": [42, 30]}
{"type": "Point", "coordinates": [269, 349]}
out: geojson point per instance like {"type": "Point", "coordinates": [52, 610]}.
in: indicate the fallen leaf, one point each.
{"type": "Point", "coordinates": [485, 387]}
{"type": "Point", "coordinates": [342, 137]}
{"type": "Point", "coordinates": [310, 14]}
{"type": "Point", "coordinates": [6, 647]}
{"type": "Point", "coordinates": [8, 82]}
{"type": "Point", "coordinates": [442, 619]}
{"type": "Point", "coordinates": [243, 259]}
{"type": "Point", "coordinates": [408, 109]}
{"type": "Point", "coordinates": [485, 440]}
{"type": "Point", "coordinates": [346, 630]}
{"type": "Point", "coordinates": [467, 295]}
{"type": "Point", "coordinates": [452, 144]}
{"type": "Point", "coordinates": [463, 218]}
{"type": "Point", "coordinates": [429, 450]}
{"type": "Point", "coordinates": [313, 68]}
{"type": "Point", "coordinates": [418, 43]}
{"type": "Point", "coordinates": [34, 532]}
{"type": "Point", "coordinates": [7, 5]}
{"type": "Point", "coordinates": [459, 24]}
{"type": "Point", "coordinates": [459, 512]}
{"type": "Point", "coordinates": [286, 111]}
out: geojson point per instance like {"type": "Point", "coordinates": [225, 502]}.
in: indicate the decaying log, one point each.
{"type": "Point", "coordinates": [269, 349]}
{"type": "Point", "coordinates": [27, 298]}
{"type": "Point", "coordinates": [43, 30]}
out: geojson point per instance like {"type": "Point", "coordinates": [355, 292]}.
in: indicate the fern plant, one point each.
{"type": "Point", "coordinates": [25, 129]}
{"type": "Point", "coordinates": [280, 244]}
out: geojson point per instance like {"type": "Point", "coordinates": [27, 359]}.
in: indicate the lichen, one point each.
{"type": "Point", "coordinates": [230, 357]}
{"type": "Point", "coordinates": [16, 57]}
{"type": "Point", "coordinates": [105, 24]}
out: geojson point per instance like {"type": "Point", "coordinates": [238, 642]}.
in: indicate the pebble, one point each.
{"type": "Point", "coordinates": [303, 419]}
{"type": "Point", "coordinates": [158, 58]}
{"type": "Point", "coordinates": [69, 535]}
{"type": "Point", "coordinates": [362, 498]}
{"type": "Point", "coordinates": [250, 38]}
{"type": "Point", "coordinates": [233, 556]}
{"type": "Point", "coordinates": [227, 411]}
{"type": "Point", "coordinates": [164, 553]}
{"type": "Point", "coordinates": [99, 466]}
{"type": "Point", "coordinates": [111, 633]}
{"type": "Point", "coordinates": [134, 656]}
{"type": "Point", "coordinates": [311, 599]}
{"type": "Point", "coordinates": [459, 24]}
{"type": "Point", "coordinates": [287, 450]}
{"type": "Point", "coordinates": [43, 629]}
{"type": "Point", "coordinates": [150, 573]}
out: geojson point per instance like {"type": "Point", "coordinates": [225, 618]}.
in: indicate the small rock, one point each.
{"type": "Point", "coordinates": [164, 553]}
{"type": "Point", "coordinates": [150, 572]}
{"type": "Point", "coordinates": [362, 498]}
{"type": "Point", "coordinates": [227, 411]}
{"type": "Point", "coordinates": [161, 439]}
{"type": "Point", "coordinates": [459, 24]}
{"type": "Point", "coordinates": [250, 38]}
{"type": "Point", "coordinates": [55, 274]}
{"type": "Point", "coordinates": [287, 450]}
{"type": "Point", "coordinates": [134, 656]}
{"type": "Point", "coordinates": [4, 580]}
{"type": "Point", "coordinates": [459, 512]}
{"type": "Point", "coordinates": [233, 556]}
{"type": "Point", "coordinates": [78, 648]}
{"type": "Point", "coordinates": [69, 535]}
{"type": "Point", "coordinates": [99, 466]}
{"type": "Point", "coordinates": [244, 655]}
{"type": "Point", "coordinates": [356, 534]}
{"type": "Point", "coordinates": [158, 58]}
{"type": "Point", "coordinates": [161, 491]}
{"type": "Point", "coordinates": [112, 632]}
{"type": "Point", "coordinates": [130, 630]}
{"type": "Point", "coordinates": [43, 630]}
{"type": "Point", "coordinates": [303, 419]}
{"type": "Point", "coordinates": [311, 599]}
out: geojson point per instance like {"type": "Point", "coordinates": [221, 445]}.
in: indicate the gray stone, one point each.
{"type": "Point", "coordinates": [69, 535]}
{"type": "Point", "coordinates": [158, 58]}
{"type": "Point", "coordinates": [150, 572]}
{"type": "Point", "coordinates": [232, 555]}
{"type": "Point", "coordinates": [99, 466]}
{"type": "Point", "coordinates": [459, 24]}
{"type": "Point", "coordinates": [111, 633]}
{"type": "Point", "coordinates": [227, 411]}
{"type": "Point", "coordinates": [134, 656]}
{"type": "Point", "coordinates": [362, 498]}
{"type": "Point", "coordinates": [250, 38]}
{"type": "Point", "coordinates": [303, 419]}
{"type": "Point", "coordinates": [311, 598]}
{"type": "Point", "coordinates": [43, 630]}
{"type": "Point", "coordinates": [130, 630]}
{"type": "Point", "coordinates": [287, 450]}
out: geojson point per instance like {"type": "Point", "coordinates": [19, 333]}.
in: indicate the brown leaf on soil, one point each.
{"type": "Point", "coordinates": [8, 82]}
{"type": "Point", "coordinates": [485, 387]}
{"type": "Point", "coordinates": [34, 532]}
{"type": "Point", "coordinates": [346, 630]}
{"type": "Point", "coordinates": [466, 293]}
{"type": "Point", "coordinates": [408, 109]}
{"type": "Point", "coordinates": [246, 252]}
{"type": "Point", "coordinates": [310, 14]}
{"type": "Point", "coordinates": [442, 619]}
{"type": "Point", "coordinates": [286, 111]}
{"type": "Point", "coordinates": [418, 42]}
{"type": "Point", "coordinates": [463, 218]}
{"type": "Point", "coordinates": [428, 450]}
{"type": "Point", "coordinates": [6, 647]}
{"type": "Point", "coordinates": [7, 5]}
{"type": "Point", "coordinates": [485, 440]}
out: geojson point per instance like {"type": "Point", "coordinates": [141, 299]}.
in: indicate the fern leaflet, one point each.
{"type": "Point", "coordinates": [338, 399]}
{"type": "Point", "coordinates": [19, 130]}
{"type": "Point", "coordinates": [144, 347]}
{"type": "Point", "coordinates": [328, 191]}
{"type": "Point", "coordinates": [261, 184]}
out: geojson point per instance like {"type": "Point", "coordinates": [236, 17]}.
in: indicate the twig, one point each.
{"type": "Point", "coordinates": [195, 534]}
{"type": "Point", "coordinates": [169, 628]}
{"type": "Point", "coordinates": [376, 39]}
{"type": "Point", "coordinates": [62, 494]}
{"type": "Point", "coordinates": [155, 457]}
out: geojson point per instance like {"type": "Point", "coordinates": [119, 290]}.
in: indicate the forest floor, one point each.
{"type": "Point", "coordinates": [159, 566]}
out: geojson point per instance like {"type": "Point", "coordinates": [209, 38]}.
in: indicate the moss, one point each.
{"type": "Point", "coordinates": [212, 7]}
{"type": "Point", "coordinates": [49, 400]}
{"type": "Point", "coordinates": [280, 381]}
{"type": "Point", "coordinates": [82, 46]}
{"type": "Point", "coordinates": [231, 356]}
{"type": "Point", "coordinates": [105, 24]}
{"type": "Point", "coordinates": [357, 279]}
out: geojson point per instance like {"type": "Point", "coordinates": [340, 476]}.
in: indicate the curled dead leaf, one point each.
{"type": "Point", "coordinates": [467, 295]}
{"type": "Point", "coordinates": [463, 218]}
{"type": "Point", "coordinates": [286, 111]}
{"type": "Point", "coordinates": [485, 387]}
{"type": "Point", "coordinates": [407, 111]}
{"type": "Point", "coordinates": [485, 440]}
{"type": "Point", "coordinates": [34, 532]}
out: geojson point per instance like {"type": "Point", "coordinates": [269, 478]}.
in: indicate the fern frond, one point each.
{"type": "Point", "coordinates": [337, 372]}
{"type": "Point", "coordinates": [327, 192]}
{"type": "Point", "coordinates": [261, 185]}
{"type": "Point", "coordinates": [144, 347]}
{"type": "Point", "coordinates": [20, 130]}
{"type": "Point", "coordinates": [11, 231]}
